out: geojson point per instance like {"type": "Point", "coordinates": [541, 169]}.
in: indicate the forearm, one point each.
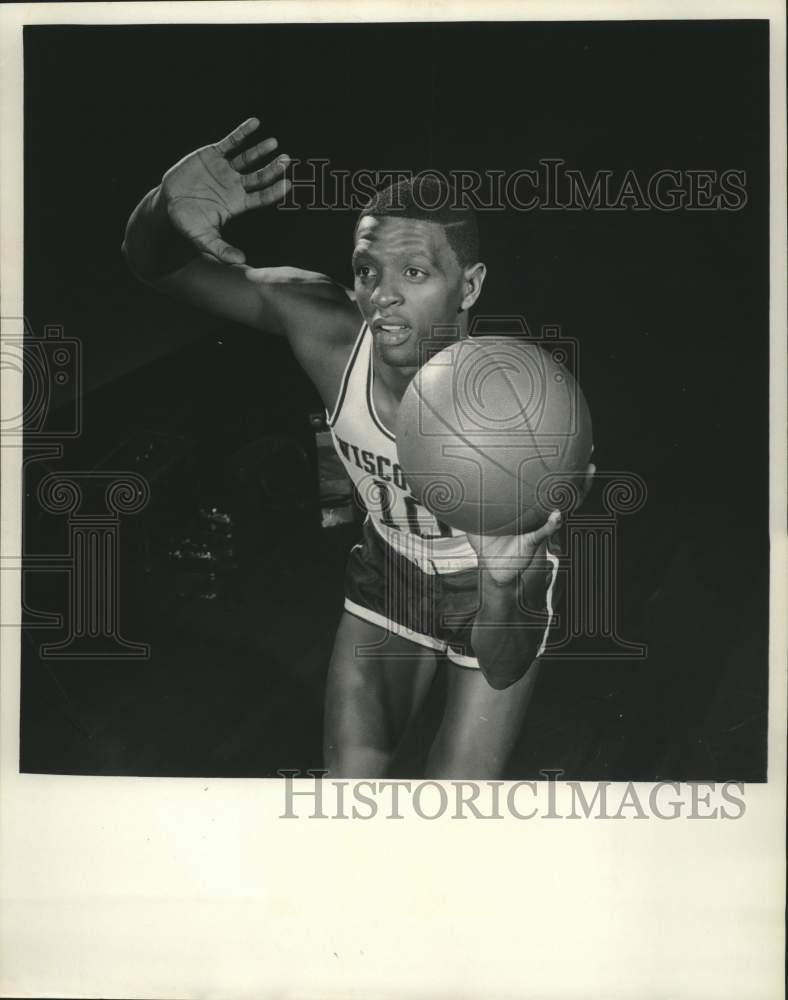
{"type": "Point", "coordinates": [153, 248]}
{"type": "Point", "coordinates": [508, 628]}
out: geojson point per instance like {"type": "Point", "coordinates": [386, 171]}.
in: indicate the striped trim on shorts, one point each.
{"type": "Point", "coordinates": [434, 610]}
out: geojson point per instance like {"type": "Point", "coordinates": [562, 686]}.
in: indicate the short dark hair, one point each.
{"type": "Point", "coordinates": [432, 199]}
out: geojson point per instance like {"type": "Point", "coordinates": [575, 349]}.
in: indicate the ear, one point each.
{"type": "Point", "coordinates": [472, 281]}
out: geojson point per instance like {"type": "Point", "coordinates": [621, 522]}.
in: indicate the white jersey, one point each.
{"type": "Point", "coordinates": [368, 451]}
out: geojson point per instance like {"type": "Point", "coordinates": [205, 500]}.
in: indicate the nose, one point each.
{"type": "Point", "coordinates": [385, 294]}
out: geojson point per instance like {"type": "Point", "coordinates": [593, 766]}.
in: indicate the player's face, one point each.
{"type": "Point", "coordinates": [408, 281]}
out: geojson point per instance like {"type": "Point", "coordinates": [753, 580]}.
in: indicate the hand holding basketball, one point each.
{"type": "Point", "coordinates": [212, 185]}
{"type": "Point", "coordinates": [505, 557]}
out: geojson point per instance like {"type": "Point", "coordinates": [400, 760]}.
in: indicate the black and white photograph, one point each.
{"type": "Point", "coordinates": [395, 412]}
{"type": "Point", "coordinates": [298, 588]}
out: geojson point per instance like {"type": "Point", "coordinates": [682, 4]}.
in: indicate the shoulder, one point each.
{"type": "Point", "coordinates": [309, 299]}
{"type": "Point", "coordinates": [290, 276]}
{"type": "Point", "coordinates": [319, 317]}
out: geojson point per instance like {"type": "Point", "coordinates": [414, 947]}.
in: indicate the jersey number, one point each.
{"type": "Point", "coordinates": [411, 509]}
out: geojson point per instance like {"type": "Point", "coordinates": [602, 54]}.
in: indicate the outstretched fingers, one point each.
{"type": "Point", "coordinates": [588, 481]}
{"type": "Point", "coordinates": [246, 159]}
{"type": "Point", "coordinates": [548, 529]}
{"type": "Point", "coordinates": [230, 143]}
{"type": "Point", "coordinates": [268, 195]}
{"type": "Point", "coordinates": [266, 175]}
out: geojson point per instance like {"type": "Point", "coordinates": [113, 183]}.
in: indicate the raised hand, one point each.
{"type": "Point", "coordinates": [212, 185]}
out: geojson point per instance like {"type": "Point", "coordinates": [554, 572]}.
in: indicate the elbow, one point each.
{"type": "Point", "coordinates": [502, 675]}
{"type": "Point", "coordinates": [500, 681]}
{"type": "Point", "coordinates": [504, 656]}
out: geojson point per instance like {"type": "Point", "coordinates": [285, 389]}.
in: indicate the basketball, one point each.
{"type": "Point", "coordinates": [493, 433]}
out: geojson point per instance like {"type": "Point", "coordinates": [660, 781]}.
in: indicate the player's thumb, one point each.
{"type": "Point", "coordinates": [551, 525]}
{"type": "Point", "coordinates": [222, 251]}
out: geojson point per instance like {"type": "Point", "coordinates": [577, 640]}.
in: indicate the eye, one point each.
{"type": "Point", "coordinates": [415, 273]}
{"type": "Point", "coordinates": [363, 272]}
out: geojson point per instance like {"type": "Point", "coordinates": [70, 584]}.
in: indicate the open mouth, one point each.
{"type": "Point", "coordinates": [391, 333]}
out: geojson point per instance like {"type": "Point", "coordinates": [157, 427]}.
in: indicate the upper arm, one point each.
{"type": "Point", "coordinates": [286, 301]}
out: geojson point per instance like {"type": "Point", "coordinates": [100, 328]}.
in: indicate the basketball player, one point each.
{"type": "Point", "coordinates": [415, 588]}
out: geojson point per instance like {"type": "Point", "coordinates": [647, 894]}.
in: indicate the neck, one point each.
{"type": "Point", "coordinates": [396, 380]}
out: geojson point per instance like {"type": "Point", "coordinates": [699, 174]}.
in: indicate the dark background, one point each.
{"type": "Point", "coordinates": [670, 310]}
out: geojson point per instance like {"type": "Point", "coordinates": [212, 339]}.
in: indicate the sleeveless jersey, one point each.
{"type": "Point", "coordinates": [368, 451]}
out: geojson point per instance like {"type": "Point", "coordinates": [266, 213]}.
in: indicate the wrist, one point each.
{"type": "Point", "coordinates": [524, 589]}
{"type": "Point", "coordinates": [153, 248]}
{"type": "Point", "coordinates": [490, 581]}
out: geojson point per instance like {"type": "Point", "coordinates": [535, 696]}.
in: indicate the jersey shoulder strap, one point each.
{"type": "Point", "coordinates": [333, 416]}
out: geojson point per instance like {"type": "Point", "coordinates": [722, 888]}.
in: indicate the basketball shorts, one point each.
{"type": "Point", "coordinates": [436, 610]}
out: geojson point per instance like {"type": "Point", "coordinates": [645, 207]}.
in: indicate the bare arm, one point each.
{"type": "Point", "coordinates": [513, 574]}
{"type": "Point", "coordinates": [174, 243]}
